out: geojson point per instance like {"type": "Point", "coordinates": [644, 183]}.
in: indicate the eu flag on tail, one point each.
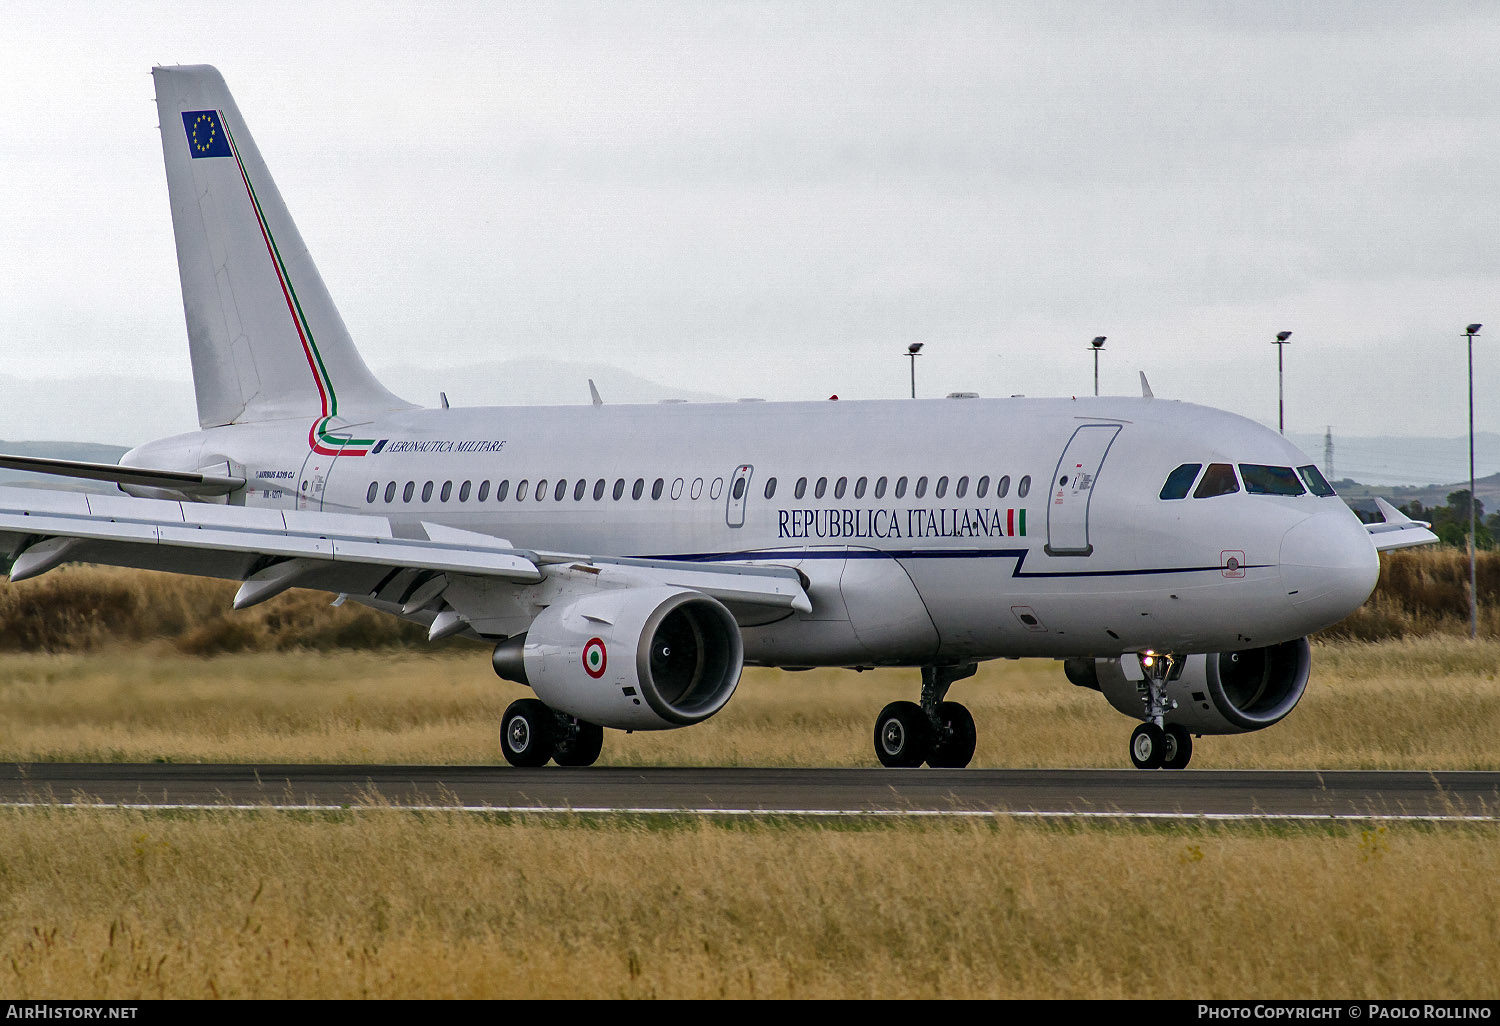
{"type": "Point", "coordinates": [205, 134]}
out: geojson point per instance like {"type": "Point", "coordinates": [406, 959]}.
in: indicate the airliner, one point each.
{"type": "Point", "coordinates": [627, 561]}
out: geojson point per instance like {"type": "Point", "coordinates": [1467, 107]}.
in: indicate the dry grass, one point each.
{"type": "Point", "coordinates": [1424, 704]}
{"type": "Point", "coordinates": [126, 905]}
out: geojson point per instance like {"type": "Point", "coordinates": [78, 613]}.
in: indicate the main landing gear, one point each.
{"type": "Point", "coordinates": [531, 733]}
{"type": "Point", "coordinates": [1156, 744]}
{"type": "Point", "coordinates": [936, 732]}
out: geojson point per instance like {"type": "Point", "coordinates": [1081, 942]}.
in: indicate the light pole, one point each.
{"type": "Point", "coordinates": [1098, 347]}
{"type": "Point", "coordinates": [913, 351]}
{"type": "Point", "coordinates": [1280, 344]}
{"type": "Point", "coordinates": [1470, 332]}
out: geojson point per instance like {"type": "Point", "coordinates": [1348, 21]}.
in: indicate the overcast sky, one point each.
{"type": "Point", "coordinates": [774, 199]}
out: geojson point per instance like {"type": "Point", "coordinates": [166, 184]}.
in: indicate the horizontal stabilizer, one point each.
{"type": "Point", "coordinates": [179, 481]}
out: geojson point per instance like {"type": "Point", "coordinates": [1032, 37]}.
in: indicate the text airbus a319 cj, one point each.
{"type": "Point", "coordinates": [625, 562]}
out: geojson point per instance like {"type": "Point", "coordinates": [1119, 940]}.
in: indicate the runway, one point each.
{"type": "Point", "coordinates": [1087, 794]}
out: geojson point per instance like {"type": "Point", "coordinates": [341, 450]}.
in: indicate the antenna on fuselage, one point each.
{"type": "Point", "coordinates": [594, 392]}
{"type": "Point", "coordinates": [1146, 392]}
{"type": "Point", "coordinates": [443, 398]}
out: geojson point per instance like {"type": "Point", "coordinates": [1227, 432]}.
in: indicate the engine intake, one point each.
{"type": "Point", "coordinates": [632, 658]}
{"type": "Point", "coordinates": [1217, 692]}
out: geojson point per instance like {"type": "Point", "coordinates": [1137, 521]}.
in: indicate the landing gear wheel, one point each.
{"type": "Point", "coordinates": [903, 737]}
{"type": "Point", "coordinates": [526, 733]}
{"type": "Point", "coordinates": [954, 746]}
{"type": "Point", "coordinates": [1179, 749]}
{"type": "Point", "coordinates": [1148, 746]}
{"type": "Point", "coordinates": [581, 746]}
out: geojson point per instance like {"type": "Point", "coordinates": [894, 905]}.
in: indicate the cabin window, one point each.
{"type": "Point", "coordinates": [578, 490]}
{"type": "Point", "coordinates": [1024, 488]}
{"type": "Point", "coordinates": [372, 491]}
{"type": "Point", "coordinates": [961, 489]}
{"type": "Point", "coordinates": [1263, 480]}
{"type": "Point", "coordinates": [390, 492]}
{"type": "Point", "coordinates": [982, 487]}
{"type": "Point", "coordinates": [801, 488]}
{"type": "Point", "coordinates": [921, 488]}
{"type": "Point", "coordinates": [541, 490]}
{"type": "Point", "coordinates": [657, 487]}
{"type": "Point", "coordinates": [560, 490]}
{"type": "Point", "coordinates": [1316, 482]}
{"type": "Point", "coordinates": [1218, 479]}
{"type": "Point", "coordinates": [408, 491]}
{"type": "Point", "coordinates": [697, 489]}
{"type": "Point", "coordinates": [638, 488]}
{"type": "Point", "coordinates": [820, 488]}
{"type": "Point", "coordinates": [427, 492]}
{"type": "Point", "coordinates": [770, 487]}
{"type": "Point", "coordinates": [599, 487]}
{"type": "Point", "coordinates": [1002, 487]}
{"type": "Point", "coordinates": [463, 492]}
{"type": "Point", "coordinates": [521, 490]}
{"type": "Point", "coordinates": [900, 487]}
{"type": "Point", "coordinates": [859, 487]}
{"type": "Point", "coordinates": [716, 489]}
{"type": "Point", "coordinates": [619, 489]}
{"type": "Point", "coordinates": [677, 489]}
{"type": "Point", "coordinates": [484, 491]}
{"type": "Point", "coordinates": [502, 490]}
{"type": "Point", "coordinates": [1180, 481]}
{"type": "Point", "coordinates": [447, 492]}
{"type": "Point", "coordinates": [839, 487]}
{"type": "Point", "coordinates": [942, 487]}
{"type": "Point", "coordinates": [880, 488]}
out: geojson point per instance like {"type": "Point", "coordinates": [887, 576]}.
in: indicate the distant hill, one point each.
{"type": "Point", "coordinates": [1362, 496]}
{"type": "Point", "coordinates": [1410, 460]}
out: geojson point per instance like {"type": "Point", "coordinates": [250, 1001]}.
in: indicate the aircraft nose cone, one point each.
{"type": "Point", "coordinates": [1329, 566]}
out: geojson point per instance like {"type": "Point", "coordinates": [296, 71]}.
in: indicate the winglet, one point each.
{"type": "Point", "coordinates": [1146, 392]}
{"type": "Point", "coordinates": [1397, 530]}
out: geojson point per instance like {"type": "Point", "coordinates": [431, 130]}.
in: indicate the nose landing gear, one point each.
{"type": "Point", "coordinates": [937, 732]}
{"type": "Point", "coordinates": [1157, 744]}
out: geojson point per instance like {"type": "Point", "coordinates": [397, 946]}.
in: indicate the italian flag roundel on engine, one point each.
{"type": "Point", "coordinates": [594, 658]}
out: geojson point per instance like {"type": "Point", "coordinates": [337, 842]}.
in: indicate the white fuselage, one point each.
{"type": "Point", "coordinates": [908, 558]}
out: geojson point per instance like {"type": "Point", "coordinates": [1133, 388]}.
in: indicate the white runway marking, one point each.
{"type": "Point", "coordinates": [554, 810]}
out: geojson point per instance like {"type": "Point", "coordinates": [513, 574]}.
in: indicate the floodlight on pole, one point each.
{"type": "Point", "coordinates": [913, 351]}
{"type": "Point", "coordinates": [1470, 332]}
{"type": "Point", "coordinates": [1282, 338]}
{"type": "Point", "coordinates": [1098, 347]}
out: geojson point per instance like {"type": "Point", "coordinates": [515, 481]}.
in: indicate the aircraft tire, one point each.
{"type": "Point", "coordinates": [903, 737]}
{"type": "Point", "coordinates": [954, 747]}
{"type": "Point", "coordinates": [1148, 745]}
{"type": "Point", "coordinates": [1179, 747]}
{"type": "Point", "coordinates": [526, 733]}
{"type": "Point", "coordinates": [583, 748]}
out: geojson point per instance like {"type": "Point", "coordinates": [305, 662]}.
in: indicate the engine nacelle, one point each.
{"type": "Point", "coordinates": [1216, 693]}
{"type": "Point", "coordinates": [630, 658]}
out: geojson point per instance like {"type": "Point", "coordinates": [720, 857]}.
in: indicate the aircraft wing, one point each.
{"type": "Point", "coordinates": [270, 550]}
{"type": "Point", "coordinates": [1397, 530]}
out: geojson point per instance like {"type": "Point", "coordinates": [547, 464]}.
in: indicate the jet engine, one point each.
{"type": "Point", "coordinates": [630, 658]}
{"type": "Point", "coordinates": [1213, 693]}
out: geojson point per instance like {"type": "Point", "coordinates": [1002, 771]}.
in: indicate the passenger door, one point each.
{"type": "Point", "coordinates": [1073, 488]}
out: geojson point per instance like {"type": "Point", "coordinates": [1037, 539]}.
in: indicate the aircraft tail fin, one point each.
{"type": "Point", "coordinates": [266, 340]}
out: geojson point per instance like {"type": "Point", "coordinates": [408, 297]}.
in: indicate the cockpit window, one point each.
{"type": "Point", "coordinates": [1262, 480]}
{"type": "Point", "coordinates": [1316, 482]}
{"type": "Point", "coordinates": [1180, 480]}
{"type": "Point", "coordinates": [1218, 479]}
